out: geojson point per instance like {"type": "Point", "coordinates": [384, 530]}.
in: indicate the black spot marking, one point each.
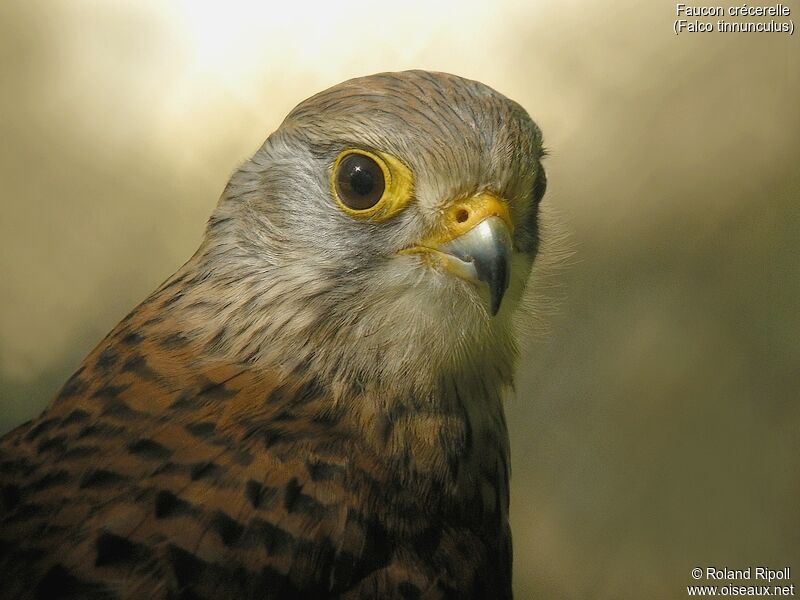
{"type": "Point", "coordinates": [279, 586]}
{"type": "Point", "coordinates": [226, 528]}
{"type": "Point", "coordinates": [26, 511]}
{"type": "Point", "coordinates": [59, 583]}
{"type": "Point", "coordinates": [205, 470]}
{"type": "Point", "coordinates": [203, 429]}
{"type": "Point", "coordinates": [10, 496]}
{"type": "Point", "coordinates": [110, 390]}
{"type": "Point", "coordinates": [344, 568]}
{"type": "Point", "coordinates": [409, 591]}
{"type": "Point", "coordinates": [186, 567]}
{"type": "Point", "coordinates": [100, 478]}
{"type": "Point", "coordinates": [168, 505]}
{"type": "Point", "coordinates": [75, 385]}
{"type": "Point", "coordinates": [276, 541]}
{"type": "Point", "coordinates": [377, 546]}
{"type": "Point", "coordinates": [323, 471]}
{"type": "Point", "coordinates": [113, 549]}
{"type": "Point", "coordinates": [385, 427]}
{"type": "Point", "coordinates": [50, 480]}
{"type": "Point", "coordinates": [215, 222]}
{"type": "Point", "coordinates": [40, 428]}
{"type": "Point", "coordinates": [242, 457]}
{"type": "Point", "coordinates": [18, 465]}
{"type": "Point", "coordinates": [119, 409]}
{"type": "Point", "coordinates": [309, 391]}
{"type": "Point", "coordinates": [170, 468]}
{"type": "Point", "coordinates": [100, 430]}
{"type": "Point", "coordinates": [283, 415]}
{"type": "Point", "coordinates": [279, 395]}
{"type": "Point", "coordinates": [274, 435]}
{"type": "Point", "coordinates": [292, 492]}
{"type": "Point", "coordinates": [76, 416]}
{"type": "Point", "coordinates": [131, 338]}
{"type": "Point", "coordinates": [218, 391]}
{"type": "Point", "coordinates": [453, 464]}
{"type": "Point", "coordinates": [185, 401]}
{"type": "Point", "coordinates": [294, 500]}
{"type": "Point", "coordinates": [327, 418]}
{"type": "Point", "coordinates": [107, 359]}
{"type": "Point", "coordinates": [260, 496]}
{"type": "Point", "coordinates": [174, 341]}
{"type": "Point", "coordinates": [427, 541]}
{"type": "Point", "coordinates": [80, 452]}
{"type": "Point", "coordinates": [216, 342]}
{"type": "Point", "coordinates": [137, 364]}
{"type": "Point", "coordinates": [172, 299]}
{"type": "Point", "coordinates": [57, 442]}
{"type": "Point", "coordinates": [318, 556]}
{"type": "Point", "coordinates": [150, 449]}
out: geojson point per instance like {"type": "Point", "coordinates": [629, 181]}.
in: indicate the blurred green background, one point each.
{"type": "Point", "coordinates": [656, 425]}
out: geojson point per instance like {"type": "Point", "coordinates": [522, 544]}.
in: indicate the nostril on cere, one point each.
{"type": "Point", "coordinates": [462, 215]}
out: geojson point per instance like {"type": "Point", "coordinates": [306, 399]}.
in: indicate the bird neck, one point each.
{"type": "Point", "coordinates": [440, 426]}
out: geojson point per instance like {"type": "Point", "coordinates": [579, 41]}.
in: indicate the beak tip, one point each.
{"type": "Point", "coordinates": [487, 249]}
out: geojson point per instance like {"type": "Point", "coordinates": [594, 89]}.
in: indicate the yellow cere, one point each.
{"type": "Point", "coordinates": [398, 180]}
{"type": "Point", "coordinates": [462, 216]}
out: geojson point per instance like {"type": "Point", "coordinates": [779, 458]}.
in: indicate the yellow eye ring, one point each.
{"type": "Point", "coordinates": [367, 184]}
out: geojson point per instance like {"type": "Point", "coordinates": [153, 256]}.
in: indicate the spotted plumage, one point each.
{"type": "Point", "coordinates": [307, 408]}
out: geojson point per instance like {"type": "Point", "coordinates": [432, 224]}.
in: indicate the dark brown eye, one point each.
{"type": "Point", "coordinates": [359, 182]}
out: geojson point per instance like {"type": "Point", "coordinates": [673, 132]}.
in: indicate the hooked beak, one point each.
{"type": "Point", "coordinates": [475, 243]}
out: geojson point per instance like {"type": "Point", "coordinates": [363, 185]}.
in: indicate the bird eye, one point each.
{"type": "Point", "coordinates": [359, 181]}
{"type": "Point", "coordinates": [370, 184]}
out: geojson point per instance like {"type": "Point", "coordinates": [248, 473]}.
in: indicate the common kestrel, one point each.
{"type": "Point", "coordinates": [311, 407]}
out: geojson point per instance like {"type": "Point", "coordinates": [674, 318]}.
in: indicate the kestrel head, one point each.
{"type": "Point", "coordinates": [385, 232]}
